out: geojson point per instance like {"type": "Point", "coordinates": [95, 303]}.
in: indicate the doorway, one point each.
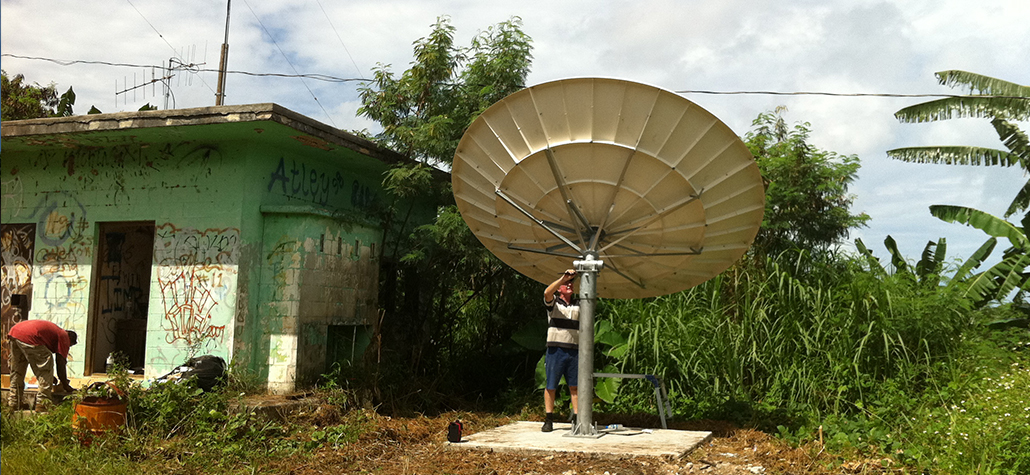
{"type": "Point", "coordinates": [120, 296]}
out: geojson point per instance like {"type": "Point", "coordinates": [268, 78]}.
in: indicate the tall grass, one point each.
{"type": "Point", "coordinates": [798, 341]}
{"type": "Point", "coordinates": [879, 363]}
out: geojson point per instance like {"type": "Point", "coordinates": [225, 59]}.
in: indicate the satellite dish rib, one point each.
{"type": "Point", "coordinates": [616, 174]}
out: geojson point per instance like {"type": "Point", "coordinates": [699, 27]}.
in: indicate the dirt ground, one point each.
{"type": "Point", "coordinates": [417, 445]}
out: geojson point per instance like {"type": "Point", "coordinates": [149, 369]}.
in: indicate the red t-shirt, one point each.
{"type": "Point", "coordinates": [42, 332]}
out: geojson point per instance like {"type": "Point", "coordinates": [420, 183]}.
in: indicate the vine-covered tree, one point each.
{"type": "Point", "coordinates": [32, 101]}
{"type": "Point", "coordinates": [808, 206]}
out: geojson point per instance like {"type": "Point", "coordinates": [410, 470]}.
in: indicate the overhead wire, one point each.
{"type": "Point", "coordinates": [189, 66]}
{"type": "Point", "coordinates": [174, 52]}
{"type": "Point", "coordinates": [356, 68]}
{"type": "Point", "coordinates": [276, 43]}
{"type": "Point", "coordinates": [329, 78]}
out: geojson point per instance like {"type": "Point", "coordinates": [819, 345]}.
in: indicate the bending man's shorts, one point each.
{"type": "Point", "coordinates": [561, 362]}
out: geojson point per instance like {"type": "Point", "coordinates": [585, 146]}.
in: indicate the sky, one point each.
{"type": "Point", "coordinates": [839, 46]}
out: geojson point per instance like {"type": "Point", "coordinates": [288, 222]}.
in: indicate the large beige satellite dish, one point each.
{"type": "Point", "coordinates": [612, 174]}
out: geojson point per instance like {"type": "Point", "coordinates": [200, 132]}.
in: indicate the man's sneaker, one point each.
{"type": "Point", "coordinates": [548, 426]}
{"type": "Point", "coordinates": [573, 421]}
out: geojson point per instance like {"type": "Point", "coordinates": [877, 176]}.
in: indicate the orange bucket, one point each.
{"type": "Point", "coordinates": [98, 415]}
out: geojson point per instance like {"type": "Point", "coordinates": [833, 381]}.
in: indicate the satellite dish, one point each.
{"type": "Point", "coordinates": [659, 189]}
{"type": "Point", "coordinates": [612, 175]}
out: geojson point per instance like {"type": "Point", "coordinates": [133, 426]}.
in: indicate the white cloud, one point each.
{"type": "Point", "coordinates": [868, 46]}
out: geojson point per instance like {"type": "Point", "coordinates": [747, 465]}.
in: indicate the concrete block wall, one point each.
{"type": "Point", "coordinates": [182, 188]}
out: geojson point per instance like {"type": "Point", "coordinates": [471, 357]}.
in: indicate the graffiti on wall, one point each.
{"type": "Point", "coordinates": [197, 276]}
{"type": "Point", "coordinates": [17, 242]}
{"type": "Point", "coordinates": [306, 183]}
{"type": "Point", "coordinates": [118, 162]}
{"type": "Point", "coordinates": [12, 192]}
{"type": "Point", "coordinates": [63, 257]}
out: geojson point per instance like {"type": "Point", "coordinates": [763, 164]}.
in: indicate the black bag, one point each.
{"type": "Point", "coordinates": [454, 431]}
{"type": "Point", "coordinates": [208, 369]}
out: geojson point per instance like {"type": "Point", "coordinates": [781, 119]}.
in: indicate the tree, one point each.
{"type": "Point", "coordinates": [31, 101]}
{"type": "Point", "coordinates": [807, 202]}
{"type": "Point", "coordinates": [425, 111]}
{"type": "Point", "coordinates": [1002, 102]}
{"type": "Point", "coordinates": [448, 303]}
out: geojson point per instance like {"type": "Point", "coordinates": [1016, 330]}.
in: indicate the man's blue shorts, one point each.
{"type": "Point", "coordinates": [561, 362]}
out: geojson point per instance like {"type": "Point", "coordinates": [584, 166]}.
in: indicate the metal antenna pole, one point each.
{"type": "Point", "coordinates": [220, 94]}
{"type": "Point", "coordinates": [587, 270]}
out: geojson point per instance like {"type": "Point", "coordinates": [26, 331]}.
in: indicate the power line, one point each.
{"type": "Point", "coordinates": [174, 52]}
{"type": "Point", "coordinates": [287, 58]}
{"type": "Point", "coordinates": [356, 68]}
{"type": "Point", "coordinates": [191, 67]}
{"type": "Point", "coordinates": [328, 78]}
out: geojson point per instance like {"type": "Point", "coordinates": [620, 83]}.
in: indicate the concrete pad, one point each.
{"type": "Point", "coordinates": [523, 436]}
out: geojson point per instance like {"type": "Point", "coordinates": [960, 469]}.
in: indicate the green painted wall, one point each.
{"type": "Point", "coordinates": [181, 188]}
{"type": "Point", "coordinates": [263, 237]}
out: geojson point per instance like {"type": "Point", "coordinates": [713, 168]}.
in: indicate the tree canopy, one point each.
{"type": "Point", "coordinates": [808, 206]}
{"type": "Point", "coordinates": [425, 110]}
{"type": "Point", "coordinates": [448, 303]}
{"type": "Point", "coordinates": [32, 101]}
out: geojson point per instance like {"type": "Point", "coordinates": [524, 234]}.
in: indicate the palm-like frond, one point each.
{"type": "Point", "coordinates": [932, 261]}
{"type": "Point", "coordinates": [1001, 279]}
{"type": "Point", "coordinates": [1020, 202]}
{"type": "Point", "coordinates": [956, 155]}
{"type": "Point", "coordinates": [1016, 140]}
{"type": "Point", "coordinates": [980, 84]}
{"type": "Point", "coordinates": [974, 260]}
{"type": "Point", "coordinates": [874, 263]}
{"type": "Point", "coordinates": [897, 260]}
{"type": "Point", "coordinates": [1017, 108]}
{"type": "Point", "coordinates": [985, 222]}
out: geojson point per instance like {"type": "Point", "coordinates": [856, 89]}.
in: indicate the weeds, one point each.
{"type": "Point", "coordinates": [170, 427]}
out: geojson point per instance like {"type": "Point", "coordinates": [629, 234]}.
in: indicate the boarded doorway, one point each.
{"type": "Point", "coordinates": [17, 244]}
{"type": "Point", "coordinates": [121, 295]}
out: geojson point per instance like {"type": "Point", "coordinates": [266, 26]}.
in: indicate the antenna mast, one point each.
{"type": "Point", "coordinates": [220, 94]}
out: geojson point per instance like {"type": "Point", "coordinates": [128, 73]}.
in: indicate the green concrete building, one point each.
{"type": "Point", "coordinates": [248, 232]}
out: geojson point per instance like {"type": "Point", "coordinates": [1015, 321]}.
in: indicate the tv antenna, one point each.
{"type": "Point", "coordinates": [612, 175]}
{"type": "Point", "coordinates": [163, 75]}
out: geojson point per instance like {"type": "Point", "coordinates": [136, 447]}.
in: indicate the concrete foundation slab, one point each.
{"type": "Point", "coordinates": [523, 436]}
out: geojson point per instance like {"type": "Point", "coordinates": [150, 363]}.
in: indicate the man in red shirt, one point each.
{"type": "Point", "coordinates": [35, 343]}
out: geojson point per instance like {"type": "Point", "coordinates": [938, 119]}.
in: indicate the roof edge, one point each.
{"type": "Point", "coordinates": [199, 116]}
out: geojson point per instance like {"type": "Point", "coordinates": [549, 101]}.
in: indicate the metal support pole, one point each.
{"type": "Point", "coordinates": [587, 270]}
{"type": "Point", "coordinates": [224, 61]}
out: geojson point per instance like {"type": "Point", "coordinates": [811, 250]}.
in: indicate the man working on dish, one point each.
{"type": "Point", "coordinates": [37, 343]}
{"type": "Point", "coordinates": [562, 358]}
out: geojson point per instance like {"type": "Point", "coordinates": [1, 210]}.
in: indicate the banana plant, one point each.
{"type": "Point", "coordinates": [927, 271]}
{"type": "Point", "coordinates": [1001, 279]}
{"type": "Point", "coordinates": [1001, 101]}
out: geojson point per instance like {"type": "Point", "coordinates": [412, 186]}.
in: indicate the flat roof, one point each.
{"type": "Point", "coordinates": [232, 122]}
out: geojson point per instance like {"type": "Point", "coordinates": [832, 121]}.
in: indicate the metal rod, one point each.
{"type": "Point", "coordinates": [541, 251]}
{"type": "Point", "coordinates": [627, 277]}
{"type": "Point", "coordinates": [223, 62]}
{"type": "Point", "coordinates": [563, 189]}
{"type": "Point", "coordinates": [652, 220]}
{"type": "Point", "coordinates": [537, 221]}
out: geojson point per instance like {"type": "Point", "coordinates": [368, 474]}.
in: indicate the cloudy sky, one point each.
{"type": "Point", "coordinates": [842, 46]}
